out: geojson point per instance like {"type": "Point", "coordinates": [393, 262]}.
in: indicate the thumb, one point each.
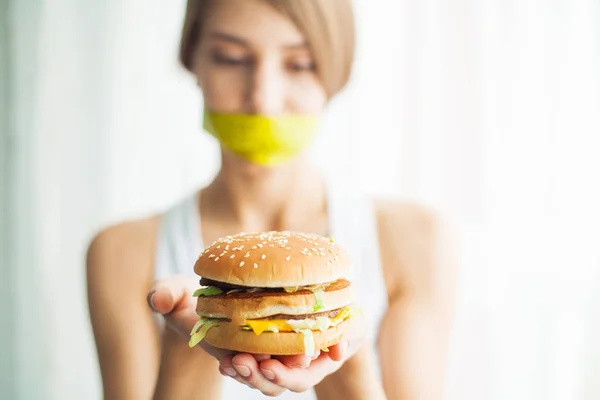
{"type": "Point", "coordinates": [171, 294]}
{"type": "Point", "coordinates": [172, 297]}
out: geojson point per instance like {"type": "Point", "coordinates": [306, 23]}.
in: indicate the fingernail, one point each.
{"type": "Point", "coordinates": [230, 371]}
{"type": "Point", "coordinates": [149, 300]}
{"type": "Point", "coordinates": [268, 374]}
{"type": "Point", "coordinates": [243, 371]}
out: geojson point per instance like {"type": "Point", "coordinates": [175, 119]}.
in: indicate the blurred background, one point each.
{"type": "Point", "coordinates": [488, 110]}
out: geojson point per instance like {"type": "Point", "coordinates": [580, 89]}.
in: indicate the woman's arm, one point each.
{"type": "Point", "coordinates": [356, 380]}
{"type": "Point", "coordinates": [420, 271]}
{"type": "Point", "coordinates": [184, 373]}
{"type": "Point", "coordinates": [136, 361]}
{"type": "Point", "coordinates": [119, 274]}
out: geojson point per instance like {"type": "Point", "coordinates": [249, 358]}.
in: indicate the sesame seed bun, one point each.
{"type": "Point", "coordinates": [273, 260]}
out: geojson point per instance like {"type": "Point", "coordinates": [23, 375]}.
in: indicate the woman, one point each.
{"type": "Point", "coordinates": [270, 66]}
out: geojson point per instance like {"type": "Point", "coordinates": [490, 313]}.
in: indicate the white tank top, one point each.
{"type": "Point", "coordinates": [352, 223]}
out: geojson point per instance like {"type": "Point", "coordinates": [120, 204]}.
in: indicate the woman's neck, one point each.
{"type": "Point", "coordinates": [256, 198]}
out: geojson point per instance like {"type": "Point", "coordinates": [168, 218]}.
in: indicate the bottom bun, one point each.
{"type": "Point", "coordinates": [231, 337]}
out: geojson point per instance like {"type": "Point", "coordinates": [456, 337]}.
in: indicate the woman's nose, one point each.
{"type": "Point", "coordinates": [266, 88]}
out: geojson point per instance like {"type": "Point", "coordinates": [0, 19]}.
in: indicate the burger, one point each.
{"type": "Point", "coordinates": [278, 293]}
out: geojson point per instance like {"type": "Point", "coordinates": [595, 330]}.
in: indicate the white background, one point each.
{"type": "Point", "coordinates": [487, 110]}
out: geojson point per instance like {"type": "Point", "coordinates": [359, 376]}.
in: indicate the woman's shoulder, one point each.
{"type": "Point", "coordinates": [398, 218]}
{"type": "Point", "coordinates": [125, 249]}
{"type": "Point", "coordinates": [415, 242]}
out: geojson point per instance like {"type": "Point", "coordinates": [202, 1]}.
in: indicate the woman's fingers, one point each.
{"type": "Point", "coordinates": [166, 295]}
{"type": "Point", "coordinates": [338, 352]}
{"type": "Point", "coordinates": [296, 361]}
{"type": "Point", "coordinates": [245, 369]}
{"type": "Point", "coordinates": [173, 298]}
{"type": "Point", "coordinates": [261, 357]}
{"type": "Point", "coordinates": [226, 365]}
{"type": "Point", "coordinates": [296, 379]}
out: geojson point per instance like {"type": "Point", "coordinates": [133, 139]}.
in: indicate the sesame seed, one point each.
{"type": "Point", "coordinates": [232, 256]}
{"type": "Point", "coordinates": [260, 245]}
{"type": "Point", "coordinates": [242, 264]}
{"type": "Point", "coordinates": [219, 246]}
{"type": "Point", "coordinates": [263, 256]}
{"type": "Point", "coordinates": [331, 250]}
{"type": "Point", "coordinates": [288, 258]}
{"type": "Point", "coordinates": [254, 247]}
{"type": "Point", "coordinates": [247, 255]}
{"type": "Point", "coordinates": [217, 259]}
{"type": "Point", "coordinates": [255, 265]}
{"type": "Point", "coordinates": [211, 256]}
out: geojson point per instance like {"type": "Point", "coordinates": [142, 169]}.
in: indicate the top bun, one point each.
{"type": "Point", "coordinates": [274, 260]}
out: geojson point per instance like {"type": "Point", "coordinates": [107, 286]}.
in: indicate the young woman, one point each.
{"type": "Point", "coordinates": [268, 68]}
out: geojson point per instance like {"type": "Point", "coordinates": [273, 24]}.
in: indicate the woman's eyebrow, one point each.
{"type": "Point", "coordinates": [228, 37]}
{"type": "Point", "coordinates": [295, 46]}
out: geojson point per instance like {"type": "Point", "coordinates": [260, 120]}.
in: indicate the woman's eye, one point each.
{"type": "Point", "coordinates": [222, 59]}
{"type": "Point", "coordinates": [301, 66]}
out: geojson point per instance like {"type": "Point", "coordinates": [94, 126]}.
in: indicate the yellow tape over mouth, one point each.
{"type": "Point", "coordinates": [265, 140]}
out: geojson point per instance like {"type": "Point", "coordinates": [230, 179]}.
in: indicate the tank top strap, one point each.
{"type": "Point", "coordinates": [353, 223]}
{"type": "Point", "coordinates": [179, 239]}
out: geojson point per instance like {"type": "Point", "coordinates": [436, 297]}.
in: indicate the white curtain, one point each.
{"type": "Point", "coordinates": [488, 110]}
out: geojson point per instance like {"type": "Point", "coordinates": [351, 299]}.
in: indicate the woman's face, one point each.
{"type": "Point", "coordinates": [253, 60]}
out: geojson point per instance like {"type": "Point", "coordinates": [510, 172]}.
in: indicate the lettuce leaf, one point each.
{"type": "Point", "coordinates": [200, 329]}
{"type": "Point", "coordinates": [197, 326]}
{"type": "Point", "coordinates": [208, 291]}
{"type": "Point", "coordinates": [309, 342]}
{"type": "Point", "coordinates": [318, 292]}
{"type": "Point", "coordinates": [318, 300]}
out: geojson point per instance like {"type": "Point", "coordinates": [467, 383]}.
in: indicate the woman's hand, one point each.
{"type": "Point", "coordinates": [173, 298]}
{"type": "Point", "coordinates": [272, 375]}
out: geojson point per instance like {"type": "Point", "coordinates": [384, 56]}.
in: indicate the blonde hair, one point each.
{"type": "Point", "coordinates": [328, 26]}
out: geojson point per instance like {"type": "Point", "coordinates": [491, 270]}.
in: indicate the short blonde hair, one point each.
{"type": "Point", "coordinates": [328, 26]}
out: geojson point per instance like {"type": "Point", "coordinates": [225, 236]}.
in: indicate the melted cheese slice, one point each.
{"type": "Point", "coordinates": [259, 326]}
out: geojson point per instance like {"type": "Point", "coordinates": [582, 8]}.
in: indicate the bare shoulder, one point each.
{"type": "Point", "coordinates": [417, 247]}
{"type": "Point", "coordinates": [120, 272]}
{"type": "Point", "coordinates": [126, 249]}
